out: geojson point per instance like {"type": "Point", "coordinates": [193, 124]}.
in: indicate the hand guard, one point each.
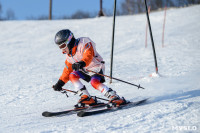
{"type": "Point", "coordinates": [58, 86]}
{"type": "Point", "coordinates": [78, 65]}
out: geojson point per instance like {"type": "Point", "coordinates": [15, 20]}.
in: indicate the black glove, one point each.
{"type": "Point", "coordinates": [58, 86]}
{"type": "Point", "coordinates": [78, 65]}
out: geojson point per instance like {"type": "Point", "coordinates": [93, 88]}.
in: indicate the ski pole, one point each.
{"type": "Point", "coordinates": [64, 91]}
{"type": "Point", "coordinates": [70, 91]}
{"type": "Point", "coordinates": [116, 79]}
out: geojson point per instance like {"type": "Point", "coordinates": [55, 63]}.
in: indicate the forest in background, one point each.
{"type": "Point", "coordinates": [126, 7]}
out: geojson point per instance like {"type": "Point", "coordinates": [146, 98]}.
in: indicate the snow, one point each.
{"type": "Point", "coordinates": [31, 63]}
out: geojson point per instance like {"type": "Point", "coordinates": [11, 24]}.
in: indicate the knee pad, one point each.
{"type": "Point", "coordinates": [95, 83]}
{"type": "Point", "coordinates": [73, 76]}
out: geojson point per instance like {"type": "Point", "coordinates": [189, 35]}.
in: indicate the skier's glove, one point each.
{"type": "Point", "coordinates": [78, 65]}
{"type": "Point", "coordinates": [58, 86]}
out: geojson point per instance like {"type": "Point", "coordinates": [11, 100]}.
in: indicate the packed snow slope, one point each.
{"type": "Point", "coordinates": [30, 63]}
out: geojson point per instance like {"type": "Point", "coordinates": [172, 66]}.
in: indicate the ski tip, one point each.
{"type": "Point", "coordinates": [46, 114]}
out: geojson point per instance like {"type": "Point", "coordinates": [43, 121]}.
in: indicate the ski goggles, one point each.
{"type": "Point", "coordinates": [66, 43]}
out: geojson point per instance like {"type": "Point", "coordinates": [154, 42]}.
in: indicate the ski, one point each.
{"type": "Point", "coordinates": [71, 111]}
{"type": "Point", "coordinates": [106, 109]}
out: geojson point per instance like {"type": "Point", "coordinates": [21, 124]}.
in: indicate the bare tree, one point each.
{"type": "Point", "coordinates": [50, 9]}
{"type": "Point", "coordinates": [101, 9]}
{"type": "Point", "coordinates": [137, 6]}
{"type": "Point", "coordinates": [43, 17]}
{"type": "Point", "coordinates": [0, 11]}
{"type": "Point", "coordinates": [132, 6]}
{"type": "Point", "coordinates": [193, 1]}
{"type": "Point", "coordinates": [10, 15]}
{"type": "Point", "coordinates": [140, 6]}
{"type": "Point", "coordinates": [127, 7]}
{"type": "Point", "coordinates": [80, 15]}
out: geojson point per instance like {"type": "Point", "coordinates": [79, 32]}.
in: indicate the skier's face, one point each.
{"type": "Point", "coordinates": [65, 50]}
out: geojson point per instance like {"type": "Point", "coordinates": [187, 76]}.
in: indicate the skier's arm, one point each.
{"type": "Point", "coordinates": [88, 54]}
{"type": "Point", "coordinates": [64, 78]}
{"type": "Point", "coordinates": [66, 71]}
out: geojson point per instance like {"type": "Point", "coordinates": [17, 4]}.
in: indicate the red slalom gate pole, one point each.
{"type": "Point", "coordinates": [164, 26]}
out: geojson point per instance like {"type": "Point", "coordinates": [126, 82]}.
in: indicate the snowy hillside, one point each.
{"type": "Point", "coordinates": [30, 63]}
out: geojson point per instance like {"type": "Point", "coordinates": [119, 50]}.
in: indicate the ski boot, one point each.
{"type": "Point", "coordinates": [114, 99]}
{"type": "Point", "coordinates": [86, 99]}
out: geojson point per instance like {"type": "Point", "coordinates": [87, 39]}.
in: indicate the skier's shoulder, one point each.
{"type": "Point", "coordinates": [85, 40]}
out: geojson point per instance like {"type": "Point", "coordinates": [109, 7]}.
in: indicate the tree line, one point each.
{"type": "Point", "coordinates": [10, 15]}
{"type": "Point", "coordinates": [126, 7]}
{"type": "Point", "coordinates": [138, 6]}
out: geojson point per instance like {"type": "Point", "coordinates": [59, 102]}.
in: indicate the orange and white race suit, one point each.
{"type": "Point", "coordinates": [84, 50]}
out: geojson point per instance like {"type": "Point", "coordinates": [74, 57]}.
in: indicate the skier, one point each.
{"type": "Point", "coordinates": [81, 59]}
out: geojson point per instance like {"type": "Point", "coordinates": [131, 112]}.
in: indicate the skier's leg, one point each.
{"type": "Point", "coordinates": [95, 82]}
{"type": "Point", "coordinates": [80, 88]}
{"type": "Point", "coordinates": [107, 92]}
